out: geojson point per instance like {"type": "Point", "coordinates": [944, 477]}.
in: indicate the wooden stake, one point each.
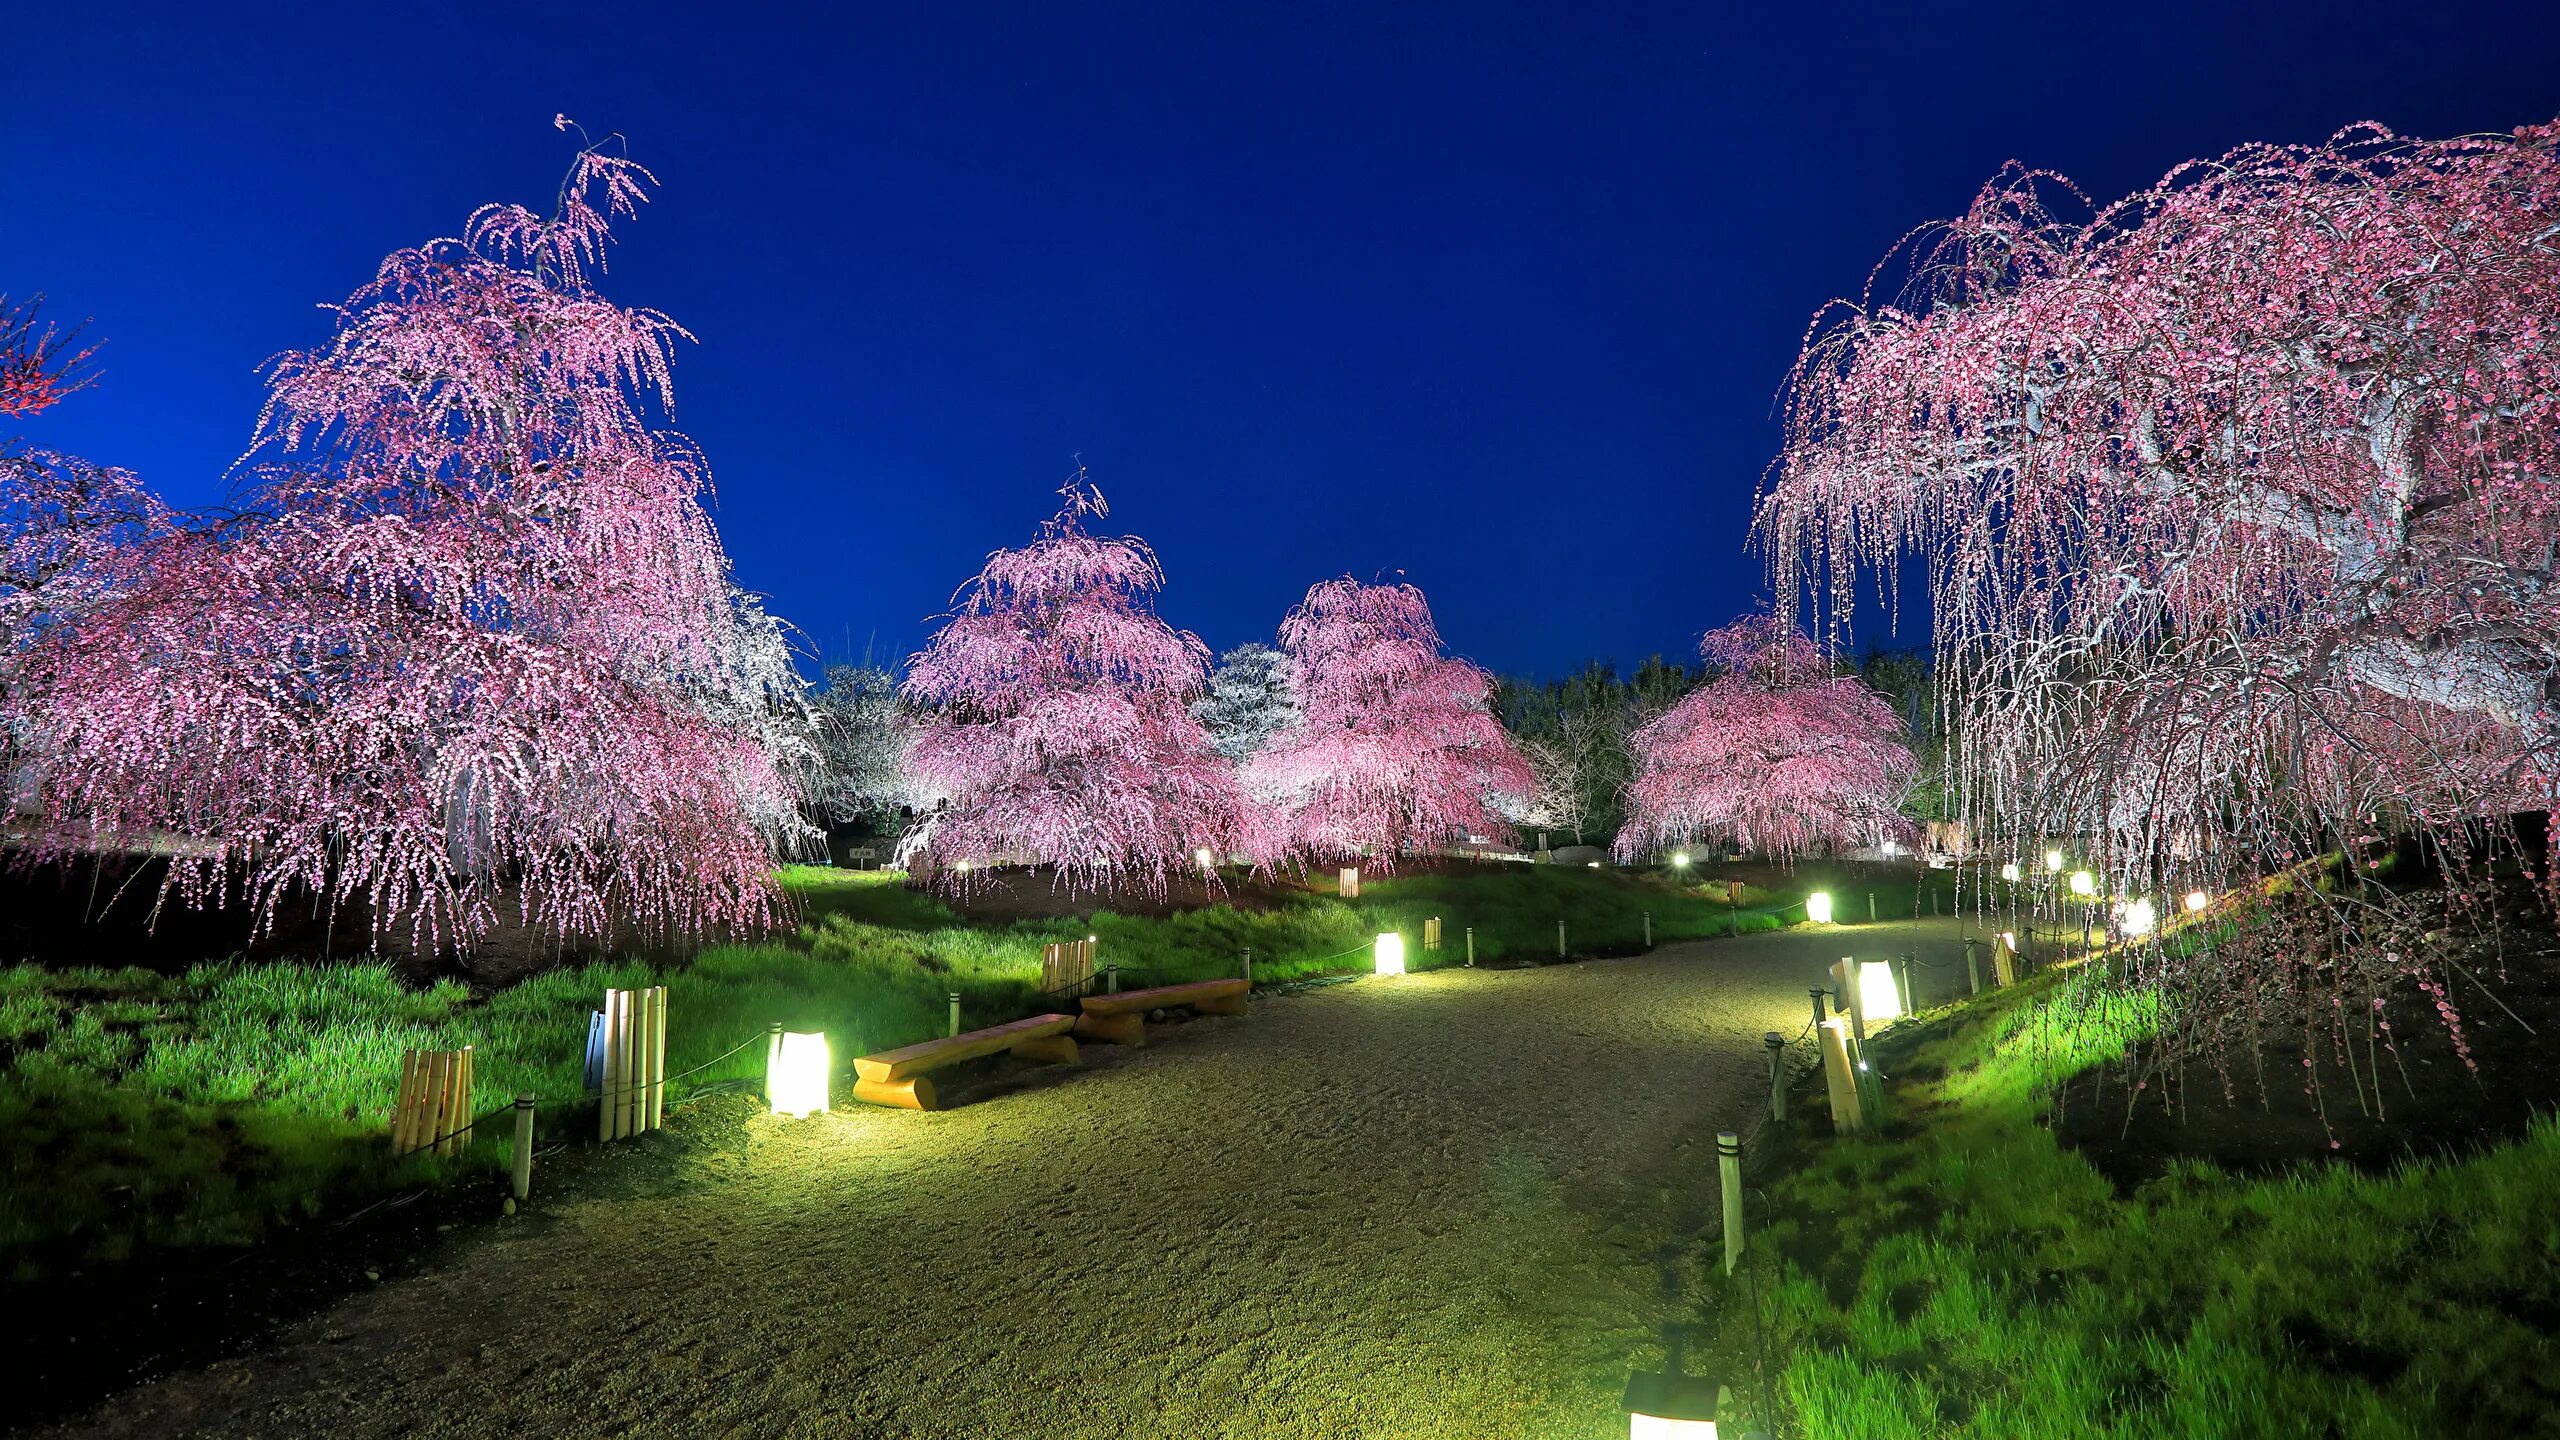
{"type": "Point", "coordinates": [524, 1147]}
{"type": "Point", "coordinates": [1729, 1174]}
{"type": "Point", "coordinates": [1648, 929]}
{"type": "Point", "coordinates": [1871, 907]}
{"type": "Point", "coordinates": [1559, 939]}
{"type": "Point", "coordinates": [955, 1012]}
{"type": "Point", "coordinates": [1471, 947]}
{"type": "Point", "coordinates": [610, 1097]}
{"type": "Point", "coordinates": [658, 1058]}
{"type": "Point", "coordinates": [1777, 1046]}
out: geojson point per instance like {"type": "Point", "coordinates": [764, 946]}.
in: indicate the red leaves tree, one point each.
{"type": "Point", "coordinates": [2238, 496]}
{"type": "Point", "coordinates": [1776, 755]}
{"type": "Point", "coordinates": [1060, 727]}
{"type": "Point", "coordinates": [1395, 748]}
{"type": "Point", "coordinates": [471, 642]}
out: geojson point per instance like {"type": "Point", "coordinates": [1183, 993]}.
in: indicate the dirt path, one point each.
{"type": "Point", "coordinates": [1443, 1206]}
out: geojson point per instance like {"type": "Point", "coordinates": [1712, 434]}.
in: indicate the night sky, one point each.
{"type": "Point", "coordinates": [1498, 297]}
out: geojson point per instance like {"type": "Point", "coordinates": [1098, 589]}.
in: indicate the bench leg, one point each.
{"type": "Point", "coordinates": [915, 1094]}
{"type": "Point", "coordinates": [1129, 1028]}
{"type": "Point", "coordinates": [1220, 1005]}
{"type": "Point", "coordinates": [1061, 1048]}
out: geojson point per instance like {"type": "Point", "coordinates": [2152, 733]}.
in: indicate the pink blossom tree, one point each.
{"type": "Point", "coordinates": [1777, 755]}
{"type": "Point", "coordinates": [1395, 748]}
{"type": "Point", "coordinates": [1060, 727]}
{"type": "Point", "coordinates": [470, 642]}
{"type": "Point", "coordinates": [2238, 500]}
{"type": "Point", "coordinates": [2238, 496]}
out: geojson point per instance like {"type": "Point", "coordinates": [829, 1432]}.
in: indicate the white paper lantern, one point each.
{"type": "Point", "coordinates": [798, 1078]}
{"type": "Point", "coordinates": [1390, 953]}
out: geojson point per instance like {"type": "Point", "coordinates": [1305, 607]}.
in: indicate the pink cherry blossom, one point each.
{"type": "Point", "coordinates": [1776, 755]}
{"type": "Point", "coordinates": [1394, 749]}
{"type": "Point", "coordinates": [1060, 725]}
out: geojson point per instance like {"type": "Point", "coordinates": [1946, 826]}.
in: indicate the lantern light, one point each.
{"type": "Point", "coordinates": [2197, 900]}
{"type": "Point", "coordinates": [2009, 872]}
{"type": "Point", "coordinates": [1817, 907]}
{"type": "Point", "coordinates": [1671, 1407]}
{"type": "Point", "coordinates": [1390, 953]}
{"type": "Point", "coordinates": [2139, 917]}
{"type": "Point", "coordinates": [962, 867]}
{"type": "Point", "coordinates": [1680, 859]}
{"type": "Point", "coordinates": [797, 1076]}
{"type": "Point", "coordinates": [2053, 860]}
{"type": "Point", "coordinates": [1878, 999]}
{"type": "Point", "coordinates": [2083, 883]}
{"type": "Point", "coordinates": [1207, 861]}
{"type": "Point", "coordinates": [1595, 864]}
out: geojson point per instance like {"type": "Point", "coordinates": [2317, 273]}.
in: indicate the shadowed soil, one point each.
{"type": "Point", "coordinates": [1433, 1206]}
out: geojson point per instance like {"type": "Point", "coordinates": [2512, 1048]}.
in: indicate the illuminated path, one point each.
{"type": "Point", "coordinates": [1427, 1207]}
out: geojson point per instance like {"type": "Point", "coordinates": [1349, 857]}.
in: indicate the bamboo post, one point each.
{"type": "Point", "coordinates": [1933, 902]}
{"type": "Point", "coordinates": [407, 1104]}
{"type": "Point", "coordinates": [1648, 929]}
{"type": "Point", "coordinates": [462, 1103]}
{"type": "Point", "coordinates": [1111, 979]}
{"type": "Point", "coordinates": [1777, 1046]}
{"type": "Point", "coordinates": [2004, 963]}
{"type": "Point", "coordinates": [1248, 967]}
{"type": "Point", "coordinates": [634, 1024]}
{"type": "Point", "coordinates": [1871, 907]}
{"type": "Point", "coordinates": [524, 1147]}
{"type": "Point", "coordinates": [1910, 998]}
{"type": "Point", "coordinates": [1838, 1079]}
{"type": "Point", "coordinates": [772, 1058]}
{"type": "Point", "coordinates": [1471, 947]}
{"type": "Point", "coordinates": [657, 1057]}
{"type": "Point", "coordinates": [955, 1012]}
{"type": "Point", "coordinates": [1729, 1176]}
{"type": "Point", "coordinates": [1733, 907]}
{"type": "Point", "coordinates": [609, 1097]}
{"type": "Point", "coordinates": [1972, 967]}
{"type": "Point", "coordinates": [1559, 939]}
{"type": "Point", "coordinates": [442, 1065]}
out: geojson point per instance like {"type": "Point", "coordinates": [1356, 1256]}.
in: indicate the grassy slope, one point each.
{"type": "Point", "coordinates": [142, 1109]}
{"type": "Point", "coordinates": [1969, 1277]}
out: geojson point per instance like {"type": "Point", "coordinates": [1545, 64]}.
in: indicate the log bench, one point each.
{"type": "Point", "coordinates": [898, 1077]}
{"type": "Point", "coordinates": [1122, 1019]}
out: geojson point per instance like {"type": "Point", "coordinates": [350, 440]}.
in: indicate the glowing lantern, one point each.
{"type": "Point", "coordinates": [2009, 938]}
{"type": "Point", "coordinates": [1817, 907]}
{"type": "Point", "coordinates": [2053, 860]}
{"type": "Point", "coordinates": [2083, 883]}
{"type": "Point", "coordinates": [2139, 917]}
{"type": "Point", "coordinates": [2009, 872]}
{"type": "Point", "coordinates": [1390, 953]}
{"type": "Point", "coordinates": [1680, 859]}
{"type": "Point", "coordinates": [962, 867]}
{"type": "Point", "coordinates": [1892, 847]}
{"type": "Point", "coordinates": [1671, 1407]}
{"type": "Point", "coordinates": [1206, 860]}
{"type": "Point", "coordinates": [1878, 1000]}
{"type": "Point", "coordinates": [1595, 864]}
{"type": "Point", "coordinates": [797, 1077]}
{"type": "Point", "coordinates": [2197, 900]}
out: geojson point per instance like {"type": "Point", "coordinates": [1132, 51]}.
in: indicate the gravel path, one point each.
{"type": "Point", "coordinates": [1447, 1205]}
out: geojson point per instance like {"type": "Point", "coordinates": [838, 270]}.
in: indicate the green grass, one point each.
{"type": "Point", "coordinates": [1967, 1276]}
{"type": "Point", "coordinates": [140, 1110]}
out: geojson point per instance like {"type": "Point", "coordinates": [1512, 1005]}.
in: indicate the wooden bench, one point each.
{"type": "Point", "coordinates": [1122, 1018]}
{"type": "Point", "coordinates": [897, 1077]}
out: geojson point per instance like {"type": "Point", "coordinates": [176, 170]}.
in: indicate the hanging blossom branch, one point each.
{"type": "Point", "coordinates": [1776, 755]}
{"type": "Point", "coordinates": [38, 362]}
{"type": "Point", "coordinates": [471, 642]}
{"type": "Point", "coordinates": [1395, 748]}
{"type": "Point", "coordinates": [1059, 722]}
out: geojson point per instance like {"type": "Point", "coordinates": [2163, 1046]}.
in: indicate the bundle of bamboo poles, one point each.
{"type": "Point", "coordinates": [1431, 933]}
{"type": "Point", "coordinates": [635, 1063]}
{"type": "Point", "coordinates": [434, 1111]}
{"type": "Point", "coordinates": [1065, 964]}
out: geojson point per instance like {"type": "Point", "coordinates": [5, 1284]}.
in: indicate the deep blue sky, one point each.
{"type": "Point", "coordinates": [1495, 295]}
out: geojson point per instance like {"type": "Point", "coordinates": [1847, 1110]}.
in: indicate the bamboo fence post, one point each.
{"type": "Point", "coordinates": [1471, 947]}
{"type": "Point", "coordinates": [1871, 907]}
{"type": "Point", "coordinates": [1777, 1047]}
{"type": "Point", "coordinates": [955, 1012]}
{"type": "Point", "coordinates": [1559, 939]}
{"type": "Point", "coordinates": [1248, 967]}
{"type": "Point", "coordinates": [607, 1097]}
{"type": "Point", "coordinates": [1845, 977]}
{"type": "Point", "coordinates": [1648, 929]}
{"type": "Point", "coordinates": [1838, 1079]}
{"type": "Point", "coordinates": [462, 1126]}
{"type": "Point", "coordinates": [407, 1104]}
{"type": "Point", "coordinates": [634, 1025]}
{"type": "Point", "coordinates": [658, 1058]}
{"type": "Point", "coordinates": [1972, 967]}
{"type": "Point", "coordinates": [772, 1058]}
{"type": "Point", "coordinates": [524, 1147]}
{"type": "Point", "coordinates": [439, 1100]}
{"type": "Point", "coordinates": [2004, 963]}
{"type": "Point", "coordinates": [1729, 1174]}
{"type": "Point", "coordinates": [1910, 997]}
{"type": "Point", "coordinates": [1733, 907]}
